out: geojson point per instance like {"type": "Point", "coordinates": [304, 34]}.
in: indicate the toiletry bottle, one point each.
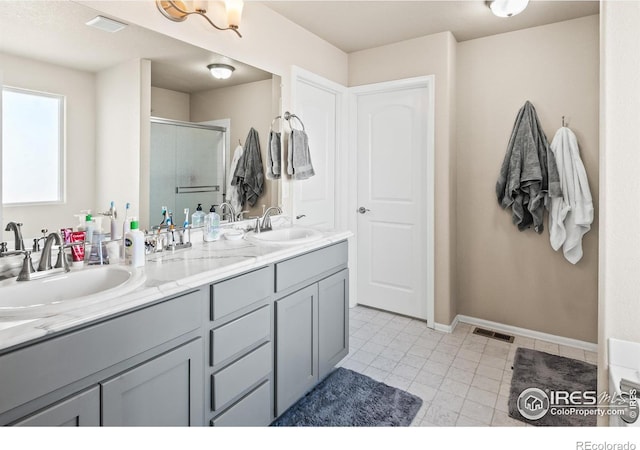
{"type": "Point", "coordinates": [88, 228]}
{"type": "Point", "coordinates": [197, 219]}
{"type": "Point", "coordinates": [134, 245]}
{"type": "Point", "coordinates": [212, 225]}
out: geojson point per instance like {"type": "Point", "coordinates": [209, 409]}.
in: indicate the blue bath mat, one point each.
{"type": "Point", "coordinates": [349, 399]}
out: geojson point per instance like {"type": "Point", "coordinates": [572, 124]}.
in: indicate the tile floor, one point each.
{"type": "Point", "coordinates": [463, 379]}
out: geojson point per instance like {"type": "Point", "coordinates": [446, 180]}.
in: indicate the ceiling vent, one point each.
{"type": "Point", "coordinates": [106, 24]}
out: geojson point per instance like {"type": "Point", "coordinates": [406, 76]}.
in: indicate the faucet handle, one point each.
{"type": "Point", "coordinates": [3, 247]}
{"type": "Point", "coordinates": [62, 262]}
{"type": "Point", "coordinates": [27, 267]}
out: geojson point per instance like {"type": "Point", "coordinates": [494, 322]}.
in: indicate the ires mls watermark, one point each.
{"type": "Point", "coordinates": [535, 403]}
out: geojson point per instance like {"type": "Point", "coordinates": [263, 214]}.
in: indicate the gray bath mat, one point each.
{"type": "Point", "coordinates": [541, 373]}
{"type": "Point", "coordinates": [349, 399]}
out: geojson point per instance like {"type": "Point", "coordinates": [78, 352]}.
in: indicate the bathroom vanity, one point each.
{"type": "Point", "coordinates": [228, 333]}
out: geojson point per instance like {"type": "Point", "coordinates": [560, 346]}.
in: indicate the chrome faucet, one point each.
{"type": "Point", "coordinates": [17, 234]}
{"type": "Point", "coordinates": [45, 258]}
{"type": "Point", "coordinates": [231, 213]}
{"type": "Point", "coordinates": [266, 218]}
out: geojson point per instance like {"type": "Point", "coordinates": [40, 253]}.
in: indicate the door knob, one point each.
{"type": "Point", "coordinates": [363, 210]}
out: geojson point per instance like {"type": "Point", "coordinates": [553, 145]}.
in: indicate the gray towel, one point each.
{"type": "Point", "coordinates": [249, 172]}
{"type": "Point", "coordinates": [299, 158]}
{"type": "Point", "coordinates": [274, 160]}
{"type": "Point", "coordinates": [529, 175]}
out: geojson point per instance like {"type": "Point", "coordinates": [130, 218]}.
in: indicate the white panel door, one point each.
{"type": "Point", "coordinates": [314, 198]}
{"type": "Point", "coordinates": [392, 141]}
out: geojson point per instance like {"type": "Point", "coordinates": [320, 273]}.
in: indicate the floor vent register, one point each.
{"type": "Point", "coordinates": [493, 335]}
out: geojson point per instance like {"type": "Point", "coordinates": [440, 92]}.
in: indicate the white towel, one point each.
{"type": "Point", "coordinates": [233, 191]}
{"type": "Point", "coordinates": [571, 215]}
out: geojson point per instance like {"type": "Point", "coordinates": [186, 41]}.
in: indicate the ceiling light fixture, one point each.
{"type": "Point", "coordinates": [221, 71]}
{"type": "Point", "coordinates": [507, 8]}
{"type": "Point", "coordinates": [177, 11]}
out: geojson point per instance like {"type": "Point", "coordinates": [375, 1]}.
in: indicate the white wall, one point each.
{"type": "Point", "coordinates": [78, 87]}
{"type": "Point", "coordinates": [619, 290]}
{"type": "Point", "coordinates": [123, 105]}
{"type": "Point", "coordinates": [170, 104]}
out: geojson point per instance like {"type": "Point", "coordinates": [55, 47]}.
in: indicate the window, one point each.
{"type": "Point", "coordinates": [32, 147]}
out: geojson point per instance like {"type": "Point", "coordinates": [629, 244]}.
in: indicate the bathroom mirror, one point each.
{"type": "Point", "coordinates": [46, 46]}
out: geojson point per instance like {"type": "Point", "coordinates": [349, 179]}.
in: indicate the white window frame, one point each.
{"type": "Point", "coordinates": [62, 119]}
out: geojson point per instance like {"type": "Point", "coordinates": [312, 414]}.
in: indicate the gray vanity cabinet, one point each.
{"type": "Point", "coordinates": [141, 367]}
{"type": "Point", "coordinates": [80, 410]}
{"type": "Point", "coordinates": [239, 376]}
{"type": "Point", "coordinates": [333, 321]}
{"type": "Point", "coordinates": [311, 321]}
{"type": "Point", "coordinates": [165, 391]}
{"type": "Point", "coordinates": [297, 346]}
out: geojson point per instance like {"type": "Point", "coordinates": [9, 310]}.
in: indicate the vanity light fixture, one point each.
{"type": "Point", "coordinates": [507, 8]}
{"type": "Point", "coordinates": [177, 11]}
{"type": "Point", "coordinates": [221, 71]}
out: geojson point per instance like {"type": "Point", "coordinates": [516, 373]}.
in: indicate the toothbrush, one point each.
{"type": "Point", "coordinates": [124, 227]}
{"type": "Point", "coordinates": [186, 218]}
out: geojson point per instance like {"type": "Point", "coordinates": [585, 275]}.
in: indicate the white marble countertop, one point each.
{"type": "Point", "coordinates": [166, 274]}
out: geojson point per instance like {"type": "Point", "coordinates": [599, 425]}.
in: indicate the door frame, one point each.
{"type": "Point", "coordinates": [300, 75]}
{"type": "Point", "coordinates": [428, 210]}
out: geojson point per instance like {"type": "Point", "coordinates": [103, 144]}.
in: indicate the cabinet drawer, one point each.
{"type": "Point", "coordinates": [234, 294]}
{"type": "Point", "coordinates": [242, 333]}
{"type": "Point", "coordinates": [301, 268]}
{"type": "Point", "coordinates": [232, 381]}
{"type": "Point", "coordinates": [252, 411]}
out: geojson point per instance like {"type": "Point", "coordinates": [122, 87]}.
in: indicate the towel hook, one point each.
{"type": "Point", "coordinates": [288, 116]}
{"type": "Point", "coordinates": [563, 125]}
{"type": "Point", "coordinates": [274, 121]}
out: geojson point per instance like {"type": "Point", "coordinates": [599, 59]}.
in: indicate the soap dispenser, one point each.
{"type": "Point", "coordinates": [212, 225]}
{"type": "Point", "coordinates": [197, 218]}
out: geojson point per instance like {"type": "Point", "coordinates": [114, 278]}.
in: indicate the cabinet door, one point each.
{"type": "Point", "coordinates": [165, 391]}
{"type": "Point", "coordinates": [333, 321]}
{"type": "Point", "coordinates": [81, 410]}
{"type": "Point", "coordinates": [296, 346]}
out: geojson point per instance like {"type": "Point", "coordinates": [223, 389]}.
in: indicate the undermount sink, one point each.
{"type": "Point", "coordinates": [285, 236]}
{"type": "Point", "coordinates": [58, 293]}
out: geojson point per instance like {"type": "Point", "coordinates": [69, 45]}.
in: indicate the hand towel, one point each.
{"type": "Point", "coordinates": [299, 158]}
{"type": "Point", "coordinates": [249, 173]}
{"type": "Point", "coordinates": [274, 158]}
{"type": "Point", "coordinates": [234, 195]}
{"type": "Point", "coordinates": [571, 215]}
{"type": "Point", "coordinates": [528, 176]}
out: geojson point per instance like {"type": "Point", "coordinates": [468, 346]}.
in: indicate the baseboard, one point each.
{"type": "Point", "coordinates": [446, 328]}
{"type": "Point", "coordinates": [561, 340]}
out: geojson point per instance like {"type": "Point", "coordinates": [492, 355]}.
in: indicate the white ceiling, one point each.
{"type": "Point", "coordinates": [358, 25]}
{"type": "Point", "coordinates": [55, 32]}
